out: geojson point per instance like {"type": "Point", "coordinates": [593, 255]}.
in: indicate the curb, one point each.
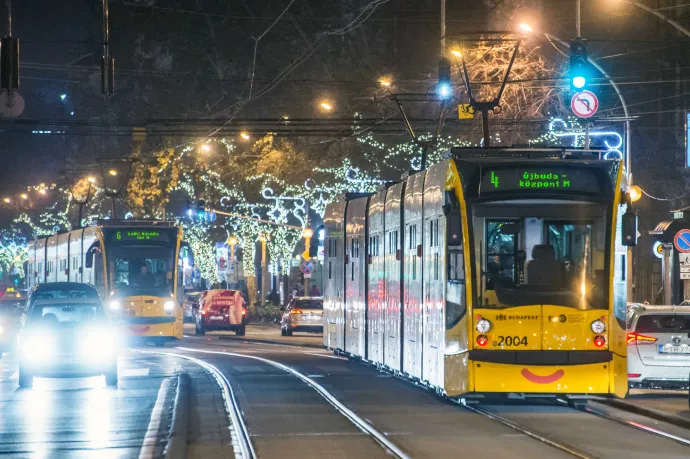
{"type": "Point", "coordinates": [649, 412]}
{"type": "Point", "coordinates": [176, 447]}
{"type": "Point", "coordinates": [255, 340]}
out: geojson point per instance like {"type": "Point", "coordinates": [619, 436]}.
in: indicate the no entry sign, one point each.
{"type": "Point", "coordinates": [584, 104]}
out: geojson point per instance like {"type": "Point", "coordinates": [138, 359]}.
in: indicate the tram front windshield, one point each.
{"type": "Point", "coordinates": [542, 252]}
{"type": "Point", "coordinates": [141, 270]}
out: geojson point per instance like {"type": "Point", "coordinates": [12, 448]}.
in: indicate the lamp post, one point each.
{"type": "Point", "coordinates": [232, 242]}
{"type": "Point", "coordinates": [264, 270]}
{"type": "Point", "coordinates": [307, 235]}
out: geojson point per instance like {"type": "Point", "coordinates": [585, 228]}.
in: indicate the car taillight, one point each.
{"type": "Point", "coordinates": [203, 313]}
{"type": "Point", "coordinates": [636, 338]}
{"type": "Point", "coordinates": [296, 311]}
{"type": "Point", "coordinates": [482, 340]}
{"type": "Point", "coordinates": [599, 341]}
{"type": "Point", "coordinates": [634, 375]}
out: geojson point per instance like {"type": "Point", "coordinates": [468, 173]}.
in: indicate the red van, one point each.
{"type": "Point", "coordinates": [221, 310]}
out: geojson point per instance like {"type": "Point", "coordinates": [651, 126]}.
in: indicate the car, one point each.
{"type": "Point", "coordinates": [61, 290]}
{"type": "Point", "coordinates": [67, 338]}
{"type": "Point", "coordinates": [221, 310]}
{"type": "Point", "coordinates": [11, 310]}
{"type": "Point", "coordinates": [303, 314]}
{"type": "Point", "coordinates": [658, 346]}
{"type": "Point", "coordinates": [190, 306]}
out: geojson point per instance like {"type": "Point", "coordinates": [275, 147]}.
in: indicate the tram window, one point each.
{"type": "Point", "coordinates": [456, 265]}
{"type": "Point", "coordinates": [414, 267]}
{"type": "Point", "coordinates": [500, 251]}
{"type": "Point", "coordinates": [330, 272]}
{"type": "Point", "coordinates": [436, 266]}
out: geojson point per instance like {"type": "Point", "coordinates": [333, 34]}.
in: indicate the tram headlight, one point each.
{"type": "Point", "coordinates": [598, 327]}
{"type": "Point", "coordinates": [169, 306]}
{"type": "Point", "coordinates": [115, 305]}
{"type": "Point", "coordinates": [483, 326]}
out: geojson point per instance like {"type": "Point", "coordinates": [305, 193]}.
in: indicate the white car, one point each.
{"type": "Point", "coordinates": [659, 346]}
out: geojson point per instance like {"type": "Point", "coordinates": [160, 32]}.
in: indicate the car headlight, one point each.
{"type": "Point", "coordinates": [115, 305]}
{"type": "Point", "coordinates": [169, 306]}
{"type": "Point", "coordinates": [598, 327]}
{"type": "Point", "coordinates": [99, 345]}
{"type": "Point", "coordinates": [37, 347]}
{"type": "Point", "coordinates": [483, 326]}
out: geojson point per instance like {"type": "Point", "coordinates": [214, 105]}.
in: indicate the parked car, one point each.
{"type": "Point", "coordinates": [221, 310]}
{"type": "Point", "coordinates": [303, 314]}
{"type": "Point", "coordinates": [190, 306]}
{"type": "Point", "coordinates": [67, 338]}
{"type": "Point", "coordinates": [659, 346]}
{"type": "Point", "coordinates": [11, 310]}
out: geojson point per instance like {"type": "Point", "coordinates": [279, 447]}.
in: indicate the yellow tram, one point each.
{"type": "Point", "coordinates": [494, 271]}
{"type": "Point", "coordinates": [137, 267]}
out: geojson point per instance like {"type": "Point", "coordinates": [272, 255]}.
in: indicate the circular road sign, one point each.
{"type": "Point", "coordinates": [584, 104]}
{"type": "Point", "coordinates": [307, 267]}
{"type": "Point", "coordinates": [682, 241]}
{"type": "Point", "coordinates": [11, 104]}
{"type": "Point", "coordinates": [658, 249]}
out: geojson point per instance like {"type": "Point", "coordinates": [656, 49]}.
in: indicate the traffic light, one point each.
{"type": "Point", "coordinates": [579, 65]}
{"type": "Point", "coordinates": [444, 87]}
{"type": "Point", "coordinates": [9, 63]}
{"type": "Point", "coordinates": [201, 210]}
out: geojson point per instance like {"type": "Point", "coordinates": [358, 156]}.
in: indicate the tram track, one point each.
{"type": "Point", "coordinates": [363, 425]}
{"type": "Point", "coordinates": [628, 423]}
{"type": "Point", "coordinates": [244, 448]}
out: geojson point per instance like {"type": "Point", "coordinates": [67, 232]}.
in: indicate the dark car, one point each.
{"type": "Point", "coordinates": [67, 338]}
{"type": "Point", "coordinates": [190, 306]}
{"type": "Point", "coordinates": [11, 310]}
{"type": "Point", "coordinates": [61, 290]}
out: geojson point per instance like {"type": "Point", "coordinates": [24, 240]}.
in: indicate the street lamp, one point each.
{"type": "Point", "coordinates": [206, 147]}
{"type": "Point", "coordinates": [7, 200]}
{"type": "Point", "coordinates": [245, 135]}
{"type": "Point", "coordinates": [23, 196]}
{"type": "Point", "coordinates": [635, 193]}
{"type": "Point", "coordinates": [326, 106]}
{"type": "Point", "coordinates": [525, 28]}
{"type": "Point", "coordinates": [42, 191]}
{"type": "Point", "coordinates": [92, 179]}
{"type": "Point", "coordinates": [456, 53]}
{"type": "Point", "coordinates": [385, 82]}
{"type": "Point", "coordinates": [112, 172]}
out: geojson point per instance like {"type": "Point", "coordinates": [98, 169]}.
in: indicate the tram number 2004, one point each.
{"type": "Point", "coordinates": [511, 341]}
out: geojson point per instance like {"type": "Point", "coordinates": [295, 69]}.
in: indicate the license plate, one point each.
{"type": "Point", "coordinates": [670, 349]}
{"type": "Point", "coordinates": [216, 317]}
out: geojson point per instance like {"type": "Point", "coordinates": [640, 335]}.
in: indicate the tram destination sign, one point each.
{"type": "Point", "coordinates": [547, 179]}
{"type": "Point", "coordinates": [139, 235]}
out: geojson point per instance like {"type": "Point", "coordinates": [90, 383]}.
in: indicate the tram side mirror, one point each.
{"type": "Point", "coordinates": [95, 247]}
{"type": "Point", "coordinates": [510, 228]}
{"type": "Point", "coordinates": [629, 229]}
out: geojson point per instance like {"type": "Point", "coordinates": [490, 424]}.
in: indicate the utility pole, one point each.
{"type": "Point", "coordinates": [578, 16]}
{"type": "Point", "coordinates": [443, 28]}
{"type": "Point", "coordinates": [107, 61]}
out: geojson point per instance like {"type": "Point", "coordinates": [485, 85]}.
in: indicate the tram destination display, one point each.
{"type": "Point", "coordinates": [139, 235]}
{"type": "Point", "coordinates": [546, 179]}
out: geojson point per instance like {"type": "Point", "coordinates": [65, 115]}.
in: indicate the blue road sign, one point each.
{"type": "Point", "coordinates": [682, 241]}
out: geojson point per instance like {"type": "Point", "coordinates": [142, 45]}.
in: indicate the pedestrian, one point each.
{"type": "Point", "coordinates": [274, 297]}
{"type": "Point", "coordinates": [314, 291]}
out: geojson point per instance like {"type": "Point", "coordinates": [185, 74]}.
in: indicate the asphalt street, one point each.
{"type": "Point", "coordinates": [297, 400]}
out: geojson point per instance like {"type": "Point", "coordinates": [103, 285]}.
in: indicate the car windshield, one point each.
{"type": "Point", "coordinates": [666, 323]}
{"type": "Point", "coordinates": [309, 304]}
{"type": "Point", "coordinates": [141, 270]}
{"type": "Point", "coordinates": [63, 291]}
{"type": "Point", "coordinates": [66, 314]}
{"type": "Point", "coordinates": [550, 253]}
